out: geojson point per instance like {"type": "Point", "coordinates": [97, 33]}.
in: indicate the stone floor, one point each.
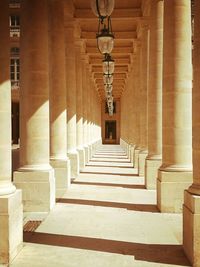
{"type": "Point", "coordinates": [106, 219]}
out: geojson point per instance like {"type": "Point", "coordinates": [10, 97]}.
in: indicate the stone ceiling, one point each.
{"type": "Point", "coordinates": [126, 19]}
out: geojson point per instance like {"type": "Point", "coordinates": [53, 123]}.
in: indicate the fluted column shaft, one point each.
{"type": "Point", "coordinates": [58, 144]}
{"type": "Point", "coordinates": [154, 103]}
{"type": "Point", "coordinates": [176, 171]}
{"type": "Point", "coordinates": [79, 104]}
{"type": "Point", "coordinates": [85, 107]}
{"type": "Point", "coordinates": [144, 85]}
{"type": "Point", "coordinates": [58, 115]}
{"type": "Point", "coordinates": [144, 57]}
{"type": "Point", "coordinates": [71, 87]}
{"type": "Point", "coordinates": [34, 86]}
{"type": "Point", "coordinates": [191, 208]}
{"type": "Point", "coordinates": [11, 216]}
{"type": "Point", "coordinates": [137, 70]}
{"type": "Point", "coordinates": [70, 28]}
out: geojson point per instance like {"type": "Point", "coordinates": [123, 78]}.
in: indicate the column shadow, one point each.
{"type": "Point", "coordinates": [128, 206]}
{"type": "Point", "coordinates": [131, 186]}
{"type": "Point", "coordinates": [166, 254]}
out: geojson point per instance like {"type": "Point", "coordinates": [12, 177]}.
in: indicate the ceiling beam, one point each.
{"type": "Point", "coordinates": [128, 35]}
{"type": "Point", "coordinates": [118, 13]}
{"type": "Point", "coordinates": [118, 69]}
{"type": "Point", "coordinates": [91, 50]}
{"type": "Point", "coordinates": [118, 61]}
{"type": "Point", "coordinates": [116, 76]}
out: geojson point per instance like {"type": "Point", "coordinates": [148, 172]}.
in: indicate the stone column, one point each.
{"type": "Point", "coordinates": [89, 116]}
{"type": "Point", "coordinates": [154, 104]}
{"type": "Point", "coordinates": [71, 96]}
{"type": "Point", "coordinates": [132, 115]}
{"type": "Point", "coordinates": [85, 93]}
{"type": "Point", "coordinates": [35, 176]}
{"type": "Point", "coordinates": [58, 133]}
{"type": "Point", "coordinates": [175, 174]}
{"type": "Point", "coordinates": [11, 214]}
{"type": "Point", "coordinates": [79, 105]}
{"type": "Point", "coordinates": [137, 48]}
{"type": "Point", "coordinates": [191, 208]}
{"type": "Point", "coordinates": [144, 36]}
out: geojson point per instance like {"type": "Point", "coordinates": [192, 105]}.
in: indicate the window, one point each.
{"type": "Point", "coordinates": [14, 21]}
{"type": "Point", "coordinates": [14, 26]}
{"type": "Point", "coordinates": [14, 67]}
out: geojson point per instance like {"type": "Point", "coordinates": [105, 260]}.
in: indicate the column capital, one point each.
{"type": "Point", "coordinates": [143, 27]}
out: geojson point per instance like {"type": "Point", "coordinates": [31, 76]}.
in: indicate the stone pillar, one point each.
{"type": "Point", "coordinates": [132, 106]}
{"type": "Point", "coordinates": [144, 36]}
{"type": "Point", "coordinates": [89, 115]}
{"type": "Point", "coordinates": [79, 105]}
{"type": "Point", "coordinates": [175, 174]}
{"type": "Point", "coordinates": [191, 208]}
{"type": "Point", "coordinates": [71, 97]}
{"type": "Point", "coordinates": [35, 176]}
{"type": "Point", "coordinates": [11, 213]}
{"type": "Point", "coordinates": [58, 133]}
{"type": "Point", "coordinates": [85, 115]}
{"type": "Point", "coordinates": [137, 48]}
{"type": "Point", "coordinates": [154, 104]}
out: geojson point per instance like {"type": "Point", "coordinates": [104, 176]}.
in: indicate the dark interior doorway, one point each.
{"type": "Point", "coordinates": [110, 131]}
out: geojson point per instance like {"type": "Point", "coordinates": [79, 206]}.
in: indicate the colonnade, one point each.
{"type": "Point", "coordinates": [171, 104]}
{"type": "Point", "coordinates": [60, 114]}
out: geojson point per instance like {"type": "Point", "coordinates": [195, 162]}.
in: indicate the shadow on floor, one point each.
{"type": "Point", "coordinates": [109, 173]}
{"type": "Point", "coordinates": [110, 161]}
{"type": "Point", "coordinates": [131, 186]}
{"type": "Point", "coordinates": [128, 206]}
{"type": "Point", "coordinates": [110, 166]}
{"type": "Point", "coordinates": [167, 254]}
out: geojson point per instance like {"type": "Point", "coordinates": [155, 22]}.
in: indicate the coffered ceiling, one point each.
{"type": "Point", "coordinates": [126, 17]}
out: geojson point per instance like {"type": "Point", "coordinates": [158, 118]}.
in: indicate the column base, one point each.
{"type": "Point", "coordinates": [11, 226]}
{"type": "Point", "coordinates": [62, 175]}
{"type": "Point", "coordinates": [90, 151]}
{"type": "Point", "coordinates": [81, 153]}
{"type": "Point", "coordinates": [132, 154]}
{"type": "Point", "coordinates": [38, 189]}
{"type": "Point", "coordinates": [141, 165]}
{"type": "Point", "coordinates": [74, 163]}
{"type": "Point", "coordinates": [170, 189]}
{"type": "Point", "coordinates": [151, 172]}
{"type": "Point", "coordinates": [86, 149]}
{"type": "Point", "coordinates": [191, 227]}
{"type": "Point", "coordinates": [136, 157]}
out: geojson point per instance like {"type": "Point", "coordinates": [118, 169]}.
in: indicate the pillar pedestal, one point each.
{"type": "Point", "coordinates": [38, 189]}
{"type": "Point", "coordinates": [132, 154]}
{"type": "Point", "coordinates": [136, 157]}
{"type": "Point", "coordinates": [142, 157]}
{"type": "Point", "coordinates": [11, 226]}
{"type": "Point", "coordinates": [152, 165]}
{"type": "Point", "coordinates": [81, 153]}
{"type": "Point", "coordinates": [62, 175]}
{"type": "Point", "coordinates": [86, 149]}
{"type": "Point", "coordinates": [74, 162]}
{"type": "Point", "coordinates": [191, 226]}
{"type": "Point", "coordinates": [170, 188]}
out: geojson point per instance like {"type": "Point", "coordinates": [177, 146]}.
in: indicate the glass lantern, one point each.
{"type": "Point", "coordinates": [108, 65]}
{"type": "Point", "coordinates": [102, 8]}
{"type": "Point", "coordinates": [108, 78]}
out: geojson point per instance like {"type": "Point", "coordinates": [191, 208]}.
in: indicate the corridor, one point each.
{"type": "Point", "coordinates": [106, 219]}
